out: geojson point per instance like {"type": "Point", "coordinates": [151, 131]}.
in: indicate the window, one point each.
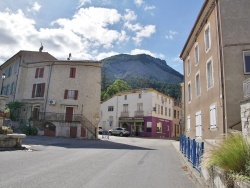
{"type": "Point", "coordinates": [159, 127]}
{"type": "Point", "coordinates": [174, 113]}
{"type": "Point", "coordinates": [125, 97]}
{"type": "Point", "coordinates": [198, 126]}
{"type": "Point", "coordinates": [246, 59]}
{"type": "Point", "coordinates": [38, 90]}
{"type": "Point", "coordinates": [15, 67]}
{"type": "Point", "coordinates": [110, 108]}
{"type": "Point", "coordinates": [139, 95]}
{"type": "Point", "coordinates": [196, 54]}
{"type": "Point", "coordinates": [197, 83]}
{"type": "Point", "coordinates": [125, 107]}
{"type": "Point", "coordinates": [71, 94]}
{"type": "Point", "coordinates": [210, 79]}
{"type": "Point", "coordinates": [188, 67]}
{"type": "Point", "coordinates": [166, 111]}
{"type": "Point", "coordinates": [39, 72]}
{"type": "Point", "coordinates": [213, 116]}
{"type": "Point", "coordinates": [7, 89]}
{"type": "Point", "coordinates": [161, 110]}
{"type": "Point", "coordinates": [158, 109]}
{"type": "Point", "coordinates": [178, 114]}
{"type": "Point", "coordinates": [140, 107]}
{"type": "Point", "coordinates": [189, 92]}
{"type": "Point", "coordinates": [169, 112]}
{"type": "Point", "coordinates": [207, 38]}
{"type": "Point", "coordinates": [188, 123]}
{"type": "Point", "coordinates": [149, 126]}
{"type": "Point", "coordinates": [9, 71]}
{"type": "Point", "coordinates": [12, 88]}
{"type": "Point", "coordinates": [72, 73]}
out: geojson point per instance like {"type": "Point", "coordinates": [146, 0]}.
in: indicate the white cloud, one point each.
{"type": "Point", "coordinates": [92, 25]}
{"type": "Point", "coordinates": [141, 51]}
{"type": "Point", "coordinates": [147, 7]}
{"type": "Point", "coordinates": [138, 2]}
{"type": "Point", "coordinates": [140, 31]}
{"type": "Point", "coordinates": [82, 3]}
{"type": "Point", "coordinates": [171, 35]}
{"type": "Point", "coordinates": [35, 8]}
{"type": "Point", "coordinates": [145, 32]}
{"type": "Point", "coordinates": [105, 55]}
{"type": "Point", "coordinates": [130, 15]}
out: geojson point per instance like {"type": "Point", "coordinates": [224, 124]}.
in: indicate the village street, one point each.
{"type": "Point", "coordinates": [115, 162]}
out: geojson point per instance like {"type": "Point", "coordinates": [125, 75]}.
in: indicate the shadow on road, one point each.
{"type": "Point", "coordinates": [77, 143]}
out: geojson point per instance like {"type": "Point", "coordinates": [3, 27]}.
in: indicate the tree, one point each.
{"type": "Point", "coordinates": [117, 86]}
{"type": "Point", "coordinates": [14, 109]}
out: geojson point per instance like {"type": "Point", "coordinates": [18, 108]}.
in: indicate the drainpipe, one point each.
{"type": "Point", "coordinates": [221, 63]}
{"type": "Point", "coordinates": [17, 76]}
{"type": "Point", "coordinates": [46, 98]}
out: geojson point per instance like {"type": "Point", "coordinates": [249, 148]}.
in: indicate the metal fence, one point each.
{"type": "Point", "coordinates": [193, 150]}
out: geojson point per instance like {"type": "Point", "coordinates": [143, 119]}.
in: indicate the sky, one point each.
{"type": "Point", "coordinates": [96, 29]}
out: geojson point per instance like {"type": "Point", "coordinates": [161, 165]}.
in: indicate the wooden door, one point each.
{"type": "Point", "coordinates": [69, 114]}
{"type": "Point", "coordinates": [73, 132]}
{"type": "Point", "coordinates": [36, 113]}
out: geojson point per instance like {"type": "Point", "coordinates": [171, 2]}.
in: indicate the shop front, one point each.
{"type": "Point", "coordinates": [134, 125]}
{"type": "Point", "coordinates": [157, 127]}
{"type": "Point", "coordinates": [147, 126]}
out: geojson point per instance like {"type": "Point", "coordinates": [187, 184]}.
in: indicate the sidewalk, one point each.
{"type": "Point", "coordinates": [195, 175]}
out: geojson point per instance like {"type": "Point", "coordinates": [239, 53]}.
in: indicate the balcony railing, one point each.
{"type": "Point", "coordinates": [139, 113]}
{"type": "Point", "coordinates": [62, 117]}
{"type": "Point", "coordinates": [124, 114]}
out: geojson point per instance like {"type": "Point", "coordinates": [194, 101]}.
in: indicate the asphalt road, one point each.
{"type": "Point", "coordinates": [117, 162]}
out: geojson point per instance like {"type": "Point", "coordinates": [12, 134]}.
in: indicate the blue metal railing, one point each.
{"type": "Point", "coordinates": [193, 150]}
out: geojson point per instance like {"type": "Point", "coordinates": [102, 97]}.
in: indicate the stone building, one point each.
{"type": "Point", "coordinates": [216, 60]}
{"type": "Point", "coordinates": [61, 97]}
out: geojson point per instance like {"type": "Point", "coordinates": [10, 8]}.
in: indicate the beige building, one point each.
{"type": "Point", "coordinates": [143, 112]}
{"type": "Point", "coordinates": [61, 97]}
{"type": "Point", "coordinates": [177, 121]}
{"type": "Point", "coordinates": [216, 60]}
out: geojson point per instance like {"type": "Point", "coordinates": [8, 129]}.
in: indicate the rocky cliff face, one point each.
{"type": "Point", "coordinates": [125, 66]}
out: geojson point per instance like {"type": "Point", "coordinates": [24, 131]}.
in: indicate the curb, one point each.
{"type": "Point", "coordinates": [194, 174]}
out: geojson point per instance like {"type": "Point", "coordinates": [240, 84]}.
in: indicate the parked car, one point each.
{"type": "Point", "coordinates": [100, 130]}
{"type": "Point", "coordinates": [119, 131]}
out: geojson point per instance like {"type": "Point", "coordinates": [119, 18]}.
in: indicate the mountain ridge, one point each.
{"type": "Point", "coordinates": [124, 66]}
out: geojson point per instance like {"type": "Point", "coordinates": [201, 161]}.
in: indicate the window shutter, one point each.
{"type": "Point", "coordinates": [76, 94]}
{"type": "Point", "coordinates": [33, 90]}
{"type": "Point", "coordinates": [66, 94]}
{"type": "Point", "coordinates": [74, 72]}
{"type": "Point", "coordinates": [37, 70]}
{"type": "Point", "coordinates": [43, 89]}
{"type": "Point", "coordinates": [41, 72]}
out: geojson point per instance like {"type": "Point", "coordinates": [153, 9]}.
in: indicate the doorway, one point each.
{"type": "Point", "coordinates": [69, 114]}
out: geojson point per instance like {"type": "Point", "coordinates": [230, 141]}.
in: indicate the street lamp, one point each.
{"type": "Point", "coordinates": [3, 77]}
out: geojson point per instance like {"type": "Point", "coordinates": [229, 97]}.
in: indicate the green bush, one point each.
{"type": "Point", "coordinates": [232, 154]}
{"type": "Point", "coordinates": [29, 130]}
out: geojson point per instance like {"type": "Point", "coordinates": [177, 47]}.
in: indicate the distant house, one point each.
{"type": "Point", "coordinates": [62, 98]}
{"type": "Point", "coordinates": [145, 113]}
{"type": "Point", "coordinates": [216, 60]}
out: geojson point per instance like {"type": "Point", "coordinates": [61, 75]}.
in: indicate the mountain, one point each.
{"type": "Point", "coordinates": [144, 66]}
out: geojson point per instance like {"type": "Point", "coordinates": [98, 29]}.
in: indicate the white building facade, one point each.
{"type": "Point", "coordinates": [146, 113]}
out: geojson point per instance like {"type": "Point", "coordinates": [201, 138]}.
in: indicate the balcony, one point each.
{"type": "Point", "coordinates": [58, 117]}
{"type": "Point", "coordinates": [139, 113]}
{"type": "Point", "coordinates": [124, 114]}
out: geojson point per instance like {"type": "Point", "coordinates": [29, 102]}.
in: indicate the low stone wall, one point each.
{"type": "Point", "coordinates": [11, 140]}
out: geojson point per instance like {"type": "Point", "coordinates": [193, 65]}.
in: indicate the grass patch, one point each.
{"type": "Point", "coordinates": [232, 154]}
